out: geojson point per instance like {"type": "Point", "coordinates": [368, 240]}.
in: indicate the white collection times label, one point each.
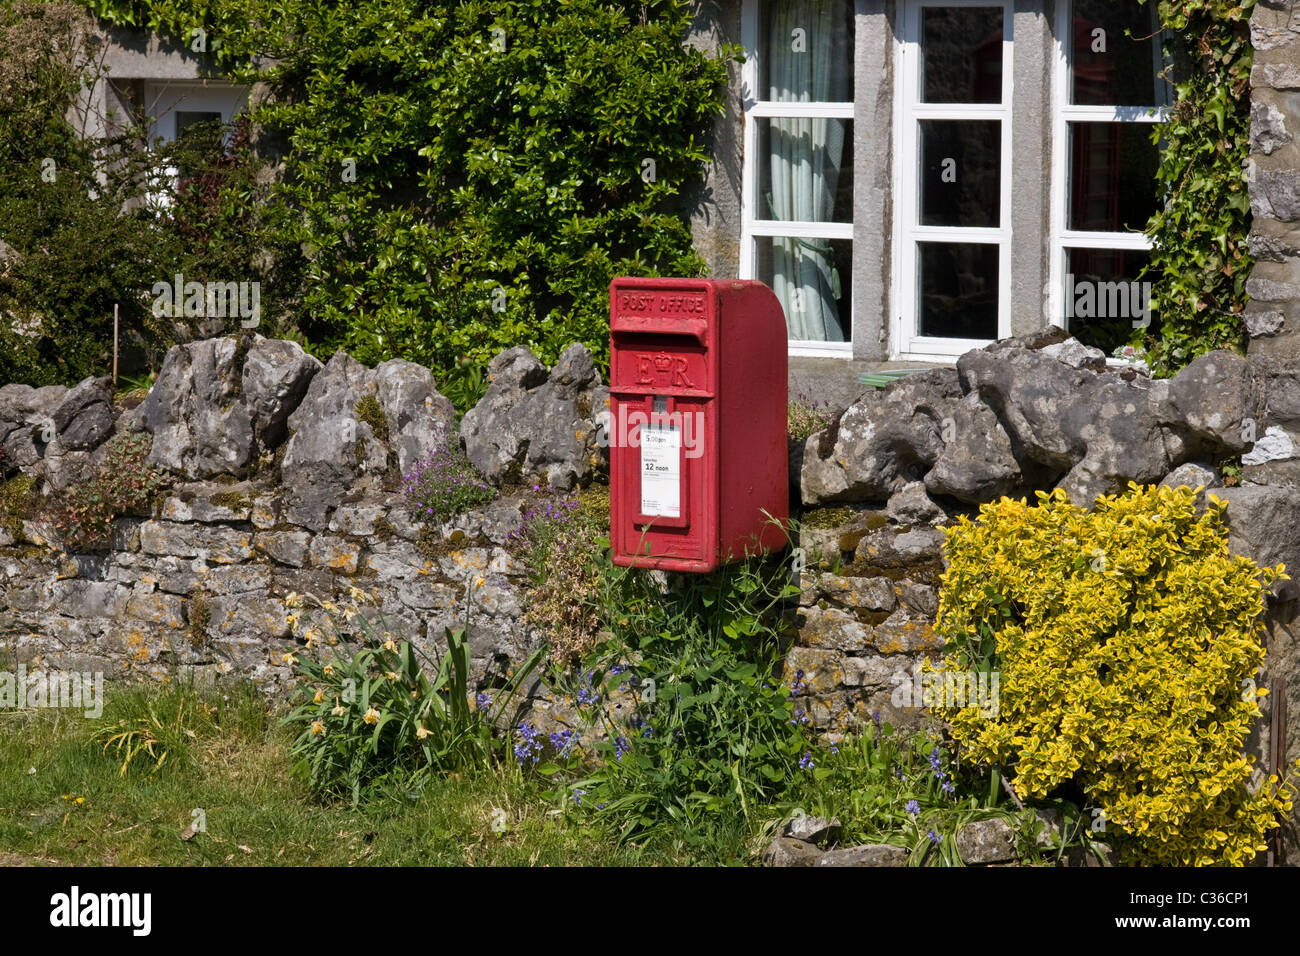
{"type": "Point", "coordinates": [661, 471]}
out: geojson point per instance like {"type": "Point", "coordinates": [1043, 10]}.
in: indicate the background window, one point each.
{"type": "Point", "coordinates": [953, 180]}
{"type": "Point", "coordinates": [798, 201]}
{"type": "Point", "coordinates": [1105, 190]}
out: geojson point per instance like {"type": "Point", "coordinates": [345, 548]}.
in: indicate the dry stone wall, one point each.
{"type": "Point", "coordinates": [287, 478]}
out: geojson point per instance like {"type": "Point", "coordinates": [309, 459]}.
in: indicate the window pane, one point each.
{"type": "Point", "coordinates": [959, 289]}
{"type": "Point", "coordinates": [1103, 298]}
{"type": "Point", "coordinates": [961, 54]}
{"type": "Point", "coordinates": [961, 173]}
{"type": "Point", "coordinates": [811, 278]}
{"type": "Point", "coordinates": [1116, 54]}
{"type": "Point", "coordinates": [1112, 176]}
{"type": "Point", "coordinates": [806, 51]}
{"type": "Point", "coordinates": [805, 170]}
{"type": "Point", "coordinates": [187, 118]}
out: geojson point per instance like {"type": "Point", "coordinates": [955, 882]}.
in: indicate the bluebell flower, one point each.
{"type": "Point", "coordinates": [617, 669]}
{"type": "Point", "coordinates": [875, 718]}
{"type": "Point", "coordinates": [577, 796]}
{"type": "Point", "coordinates": [934, 837]}
{"type": "Point", "coordinates": [912, 807]}
{"type": "Point", "coordinates": [529, 747]}
{"type": "Point", "coordinates": [806, 761]}
{"type": "Point", "coordinates": [482, 701]}
{"type": "Point", "coordinates": [562, 742]}
{"type": "Point", "coordinates": [620, 748]}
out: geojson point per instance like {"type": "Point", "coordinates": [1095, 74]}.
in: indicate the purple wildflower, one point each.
{"type": "Point", "coordinates": [529, 746]}
{"type": "Point", "coordinates": [912, 807]}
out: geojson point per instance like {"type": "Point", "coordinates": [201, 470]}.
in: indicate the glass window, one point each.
{"type": "Point", "coordinates": [1106, 187]}
{"type": "Point", "coordinates": [799, 166]}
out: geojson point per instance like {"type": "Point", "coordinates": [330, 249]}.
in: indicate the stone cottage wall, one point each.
{"type": "Point", "coordinates": [1273, 315]}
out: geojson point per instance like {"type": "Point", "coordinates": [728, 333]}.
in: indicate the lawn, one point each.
{"type": "Point", "coordinates": [65, 801]}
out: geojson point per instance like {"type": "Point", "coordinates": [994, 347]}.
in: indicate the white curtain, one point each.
{"type": "Point", "coordinates": [805, 157]}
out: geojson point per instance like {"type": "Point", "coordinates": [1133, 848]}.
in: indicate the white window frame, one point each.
{"type": "Point", "coordinates": [1065, 113]}
{"type": "Point", "coordinates": [752, 228]}
{"type": "Point", "coordinates": [908, 344]}
{"type": "Point", "coordinates": [208, 96]}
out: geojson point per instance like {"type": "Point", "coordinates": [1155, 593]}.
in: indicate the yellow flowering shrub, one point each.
{"type": "Point", "coordinates": [1128, 641]}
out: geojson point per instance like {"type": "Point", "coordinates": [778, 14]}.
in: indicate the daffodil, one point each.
{"type": "Point", "coordinates": [293, 599]}
{"type": "Point", "coordinates": [391, 675]}
{"type": "Point", "coordinates": [320, 696]}
{"type": "Point", "coordinates": [329, 669]}
{"type": "Point", "coordinates": [390, 644]}
{"type": "Point", "coordinates": [421, 732]}
{"type": "Point", "coordinates": [339, 710]}
{"type": "Point", "coordinates": [371, 716]}
{"type": "Point", "coordinates": [317, 727]}
{"type": "Point", "coordinates": [288, 658]}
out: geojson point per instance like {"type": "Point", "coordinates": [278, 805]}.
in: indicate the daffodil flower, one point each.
{"type": "Point", "coordinates": [371, 716]}
{"type": "Point", "coordinates": [317, 727]}
{"type": "Point", "coordinates": [320, 696]}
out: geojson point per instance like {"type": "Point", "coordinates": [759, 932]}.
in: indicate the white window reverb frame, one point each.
{"type": "Point", "coordinates": [909, 110]}
{"type": "Point", "coordinates": [1065, 113]}
{"type": "Point", "coordinates": [751, 228]}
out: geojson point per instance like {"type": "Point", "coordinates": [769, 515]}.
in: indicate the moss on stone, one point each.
{"type": "Point", "coordinates": [199, 612]}
{"type": "Point", "coordinates": [369, 410]}
{"type": "Point", "coordinates": [827, 517]}
{"type": "Point", "coordinates": [18, 500]}
{"type": "Point", "coordinates": [233, 500]}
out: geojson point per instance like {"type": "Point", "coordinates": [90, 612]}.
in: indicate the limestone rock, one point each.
{"type": "Point", "coordinates": [533, 426]}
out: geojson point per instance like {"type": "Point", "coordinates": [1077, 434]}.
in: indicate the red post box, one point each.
{"type": "Point", "coordinates": [697, 426]}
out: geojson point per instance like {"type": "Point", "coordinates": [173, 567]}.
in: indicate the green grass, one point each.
{"type": "Point", "coordinates": [227, 755]}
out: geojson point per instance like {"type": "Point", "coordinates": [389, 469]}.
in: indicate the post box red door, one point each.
{"type": "Point", "coordinates": [697, 428]}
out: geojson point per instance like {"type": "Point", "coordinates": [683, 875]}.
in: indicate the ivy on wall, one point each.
{"type": "Point", "coordinates": [1200, 262]}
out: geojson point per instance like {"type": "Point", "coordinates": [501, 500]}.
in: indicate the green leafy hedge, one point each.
{"type": "Point", "coordinates": [465, 177]}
